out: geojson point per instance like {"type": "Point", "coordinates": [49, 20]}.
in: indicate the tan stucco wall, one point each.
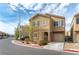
{"type": "Point", "coordinates": [50, 26]}
{"type": "Point", "coordinates": [75, 28]}
{"type": "Point", "coordinates": [42, 19]}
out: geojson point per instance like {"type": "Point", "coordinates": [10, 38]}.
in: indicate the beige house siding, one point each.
{"type": "Point", "coordinates": [47, 27]}
{"type": "Point", "coordinates": [75, 29]}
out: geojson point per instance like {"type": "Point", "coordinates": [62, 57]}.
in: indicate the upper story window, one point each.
{"type": "Point", "coordinates": [39, 23]}
{"type": "Point", "coordinates": [33, 23]}
{"type": "Point", "coordinates": [77, 20]}
{"type": "Point", "coordinates": [58, 23]}
{"type": "Point", "coordinates": [55, 24]}
{"type": "Point", "coordinates": [36, 23]}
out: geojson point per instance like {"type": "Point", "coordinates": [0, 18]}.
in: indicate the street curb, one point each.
{"type": "Point", "coordinates": [13, 42]}
{"type": "Point", "coordinates": [72, 51]}
{"type": "Point", "coordinates": [24, 45]}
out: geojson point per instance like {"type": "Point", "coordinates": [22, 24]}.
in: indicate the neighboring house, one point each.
{"type": "Point", "coordinates": [75, 28]}
{"type": "Point", "coordinates": [2, 34]}
{"type": "Point", "coordinates": [48, 27]}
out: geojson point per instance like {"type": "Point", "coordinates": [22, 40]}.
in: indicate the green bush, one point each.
{"type": "Point", "coordinates": [42, 42]}
{"type": "Point", "coordinates": [28, 41]}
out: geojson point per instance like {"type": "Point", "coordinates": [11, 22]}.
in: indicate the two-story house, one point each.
{"type": "Point", "coordinates": [48, 27]}
{"type": "Point", "coordinates": [75, 28]}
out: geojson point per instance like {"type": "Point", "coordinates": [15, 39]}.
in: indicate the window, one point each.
{"type": "Point", "coordinates": [55, 24]}
{"type": "Point", "coordinates": [63, 23]}
{"type": "Point", "coordinates": [42, 23]}
{"type": "Point", "coordinates": [38, 23]}
{"type": "Point", "coordinates": [33, 23]}
{"type": "Point", "coordinates": [45, 23]}
{"type": "Point", "coordinates": [77, 20]}
{"type": "Point", "coordinates": [58, 23]}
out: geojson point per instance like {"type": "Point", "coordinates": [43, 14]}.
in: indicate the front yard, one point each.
{"type": "Point", "coordinates": [58, 46]}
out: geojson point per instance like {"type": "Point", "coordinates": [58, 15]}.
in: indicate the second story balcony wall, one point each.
{"type": "Point", "coordinates": [58, 24]}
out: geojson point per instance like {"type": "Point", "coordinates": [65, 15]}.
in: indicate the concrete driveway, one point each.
{"type": "Point", "coordinates": [58, 46]}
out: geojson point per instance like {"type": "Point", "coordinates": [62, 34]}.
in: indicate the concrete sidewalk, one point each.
{"type": "Point", "coordinates": [58, 46]}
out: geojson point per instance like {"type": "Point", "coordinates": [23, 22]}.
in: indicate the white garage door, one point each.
{"type": "Point", "coordinates": [77, 37]}
{"type": "Point", "coordinates": [58, 37]}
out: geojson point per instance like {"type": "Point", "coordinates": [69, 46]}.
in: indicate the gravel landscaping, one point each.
{"type": "Point", "coordinates": [71, 46]}
{"type": "Point", "coordinates": [51, 46]}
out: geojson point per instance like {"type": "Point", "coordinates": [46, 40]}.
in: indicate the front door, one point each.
{"type": "Point", "coordinates": [45, 35]}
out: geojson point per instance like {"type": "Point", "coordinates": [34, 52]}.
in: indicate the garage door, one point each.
{"type": "Point", "coordinates": [77, 37]}
{"type": "Point", "coordinates": [58, 37]}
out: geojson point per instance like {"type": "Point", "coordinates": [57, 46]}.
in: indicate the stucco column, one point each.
{"type": "Point", "coordinates": [49, 36]}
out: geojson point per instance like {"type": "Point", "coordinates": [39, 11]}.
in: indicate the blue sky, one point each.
{"type": "Point", "coordinates": [10, 12]}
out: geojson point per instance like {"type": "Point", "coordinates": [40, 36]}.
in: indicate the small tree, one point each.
{"type": "Point", "coordinates": [16, 33]}
{"type": "Point", "coordinates": [29, 30]}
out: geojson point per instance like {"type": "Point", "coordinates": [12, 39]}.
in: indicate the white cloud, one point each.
{"type": "Point", "coordinates": [61, 9]}
{"type": "Point", "coordinates": [23, 22]}
{"type": "Point", "coordinates": [24, 4]}
{"type": "Point", "coordinates": [77, 9]}
{"type": "Point", "coordinates": [13, 5]}
{"type": "Point", "coordinates": [38, 7]}
{"type": "Point", "coordinates": [7, 27]}
{"type": "Point", "coordinates": [39, 1]}
{"type": "Point", "coordinates": [49, 8]}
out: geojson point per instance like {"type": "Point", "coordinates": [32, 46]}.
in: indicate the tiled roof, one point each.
{"type": "Point", "coordinates": [47, 15]}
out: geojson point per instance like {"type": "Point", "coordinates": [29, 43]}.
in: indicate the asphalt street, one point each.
{"type": "Point", "coordinates": [8, 48]}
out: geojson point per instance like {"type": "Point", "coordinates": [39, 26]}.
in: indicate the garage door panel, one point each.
{"type": "Point", "coordinates": [58, 37]}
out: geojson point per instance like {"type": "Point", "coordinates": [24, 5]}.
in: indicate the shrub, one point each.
{"type": "Point", "coordinates": [42, 42]}
{"type": "Point", "coordinates": [35, 41]}
{"type": "Point", "coordinates": [28, 41]}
